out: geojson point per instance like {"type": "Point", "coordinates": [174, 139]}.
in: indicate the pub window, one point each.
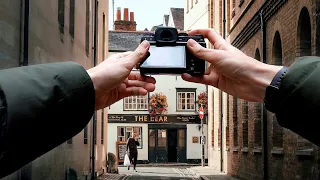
{"type": "Point", "coordinates": [186, 99]}
{"type": "Point", "coordinates": [126, 132]}
{"type": "Point", "coordinates": [61, 4]}
{"type": "Point", "coordinates": [136, 103]}
{"type": "Point", "coordinates": [71, 18]}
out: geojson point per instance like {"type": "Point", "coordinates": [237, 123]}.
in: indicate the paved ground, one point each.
{"type": "Point", "coordinates": [153, 173]}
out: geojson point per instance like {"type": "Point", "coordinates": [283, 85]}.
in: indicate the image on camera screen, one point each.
{"type": "Point", "coordinates": [166, 57]}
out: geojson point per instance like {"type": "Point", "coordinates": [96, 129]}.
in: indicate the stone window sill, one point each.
{"type": "Point", "coordinates": [304, 152]}
{"type": "Point", "coordinates": [257, 151]}
{"type": "Point", "coordinates": [245, 150]}
{"type": "Point", "coordinates": [277, 151]}
{"type": "Point", "coordinates": [235, 149]}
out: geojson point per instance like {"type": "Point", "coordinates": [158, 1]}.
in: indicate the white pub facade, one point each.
{"type": "Point", "coordinates": [171, 137]}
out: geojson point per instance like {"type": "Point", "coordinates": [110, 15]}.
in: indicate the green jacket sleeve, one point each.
{"type": "Point", "coordinates": [299, 99]}
{"type": "Point", "coordinates": [41, 107]}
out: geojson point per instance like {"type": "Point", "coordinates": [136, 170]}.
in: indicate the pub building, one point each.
{"type": "Point", "coordinates": [164, 138]}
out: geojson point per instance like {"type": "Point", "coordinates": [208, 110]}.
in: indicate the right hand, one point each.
{"type": "Point", "coordinates": [231, 70]}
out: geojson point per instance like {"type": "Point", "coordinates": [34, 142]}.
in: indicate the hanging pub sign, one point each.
{"type": "Point", "coordinates": [137, 118]}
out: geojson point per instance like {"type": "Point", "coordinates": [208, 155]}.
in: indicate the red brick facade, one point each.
{"type": "Point", "coordinates": [291, 31]}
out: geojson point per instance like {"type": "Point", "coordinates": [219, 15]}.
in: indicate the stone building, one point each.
{"type": "Point", "coordinates": [56, 31]}
{"type": "Point", "coordinates": [170, 137]}
{"type": "Point", "coordinates": [246, 140]}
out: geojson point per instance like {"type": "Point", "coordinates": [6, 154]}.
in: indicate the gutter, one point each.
{"type": "Point", "coordinates": [94, 120]}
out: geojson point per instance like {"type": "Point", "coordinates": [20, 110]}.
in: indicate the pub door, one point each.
{"type": "Point", "coordinates": [167, 145]}
{"type": "Point", "coordinates": [182, 149]}
{"type": "Point", "coordinates": [158, 151]}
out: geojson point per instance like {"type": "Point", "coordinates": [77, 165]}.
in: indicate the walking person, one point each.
{"type": "Point", "coordinates": [132, 144]}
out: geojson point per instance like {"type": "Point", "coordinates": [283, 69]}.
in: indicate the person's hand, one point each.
{"type": "Point", "coordinates": [230, 69]}
{"type": "Point", "coordinates": [113, 79]}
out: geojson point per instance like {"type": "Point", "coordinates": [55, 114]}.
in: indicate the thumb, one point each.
{"type": "Point", "coordinates": [139, 54]}
{"type": "Point", "coordinates": [210, 55]}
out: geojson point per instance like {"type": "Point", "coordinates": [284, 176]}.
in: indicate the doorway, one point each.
{"type": "Point", "coordinates": [172, 145]}
{"type": "Point", "coordinates": [167, 143]}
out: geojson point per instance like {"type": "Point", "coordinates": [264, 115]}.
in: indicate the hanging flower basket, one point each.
{"type": "Point", "coordinates": [158, 104]}
{"type": "Point", "coordinates": [203, 101]}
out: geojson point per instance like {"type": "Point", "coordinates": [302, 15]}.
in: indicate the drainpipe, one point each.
{"type": "Point", "coordinates": [317, 28]}
{"type": "Point", "coordinates": [264, 110]}
{"type": "Point", "coordinates": [25, 46]}
{"type": "Point", "coordinates": [95, 34]}
{"type": "Point", "coordinates": [221, 93]}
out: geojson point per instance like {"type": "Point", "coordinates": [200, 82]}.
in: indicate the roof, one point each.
{"type": "Point", "coordinates": [178, 17]}
{"type": "Point", "coordinates": [121, 41]}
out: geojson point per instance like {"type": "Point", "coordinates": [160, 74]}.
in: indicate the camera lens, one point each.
{"type": "Point", "coordinates": [166, 35]}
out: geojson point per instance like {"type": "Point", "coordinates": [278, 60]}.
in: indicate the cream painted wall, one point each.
{"type": "Point", "coordinates": [112, 138]}
{"type": "Point", "coordinates": [194, 149]}
{"type": "Point", "coordinates": [196, 17]}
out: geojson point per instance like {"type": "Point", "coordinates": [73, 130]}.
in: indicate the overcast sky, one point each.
{"type": "Point", "coordinates": [147, 13]}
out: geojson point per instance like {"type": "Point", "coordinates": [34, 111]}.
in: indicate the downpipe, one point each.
{"type": "Point", "coordinates": [264, 110]}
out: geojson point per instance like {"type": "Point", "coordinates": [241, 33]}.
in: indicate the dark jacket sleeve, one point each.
{"type": "Point", "coordinates": [299, 99]}
{"type": "Point", "coordinates": [41, 107]}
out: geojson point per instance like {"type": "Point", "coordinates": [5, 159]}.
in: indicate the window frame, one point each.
{"type": "Point", "coordinates": [140, 138]}
{"type": "Point", "coordinates": [186, 90]}
{"type": "Point", "coordinates": [136, 109]}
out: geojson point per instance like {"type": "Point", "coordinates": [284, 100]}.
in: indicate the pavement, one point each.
{"type": "Point", "coordinates": [207, 173]}
{"type": "Point", "coordinates": [167, 173]}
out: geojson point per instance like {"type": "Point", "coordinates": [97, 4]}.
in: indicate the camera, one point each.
{"type": "Point", "coordinates": [169, 54]}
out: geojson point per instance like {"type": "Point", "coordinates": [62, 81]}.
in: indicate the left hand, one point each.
{"type": "Point", "coordinates": [113, 79]}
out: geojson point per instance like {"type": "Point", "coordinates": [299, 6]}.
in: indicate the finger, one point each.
{"type": "Point", "coordinates": [138, 76]}
{"type": "Point", "coordinates": [211, 79]}
{"type": "Point", "coordinates": [138, 55]}
{"type": "Point", "coordinates": [136, 83]}
{"type": "Point", "coordinates": [213, 56]}
{"type": "Point", "coordinates": [125, 54]}
{"type": "Point", "coordinates": [214, 38]}
{"type": "Point", "coordinates": [136, 91]}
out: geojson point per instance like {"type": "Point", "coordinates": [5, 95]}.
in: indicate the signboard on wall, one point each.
{"type": "Point", "coordinates": [136, 118]}
{"type": "Point", "coordinates": [121, 148]}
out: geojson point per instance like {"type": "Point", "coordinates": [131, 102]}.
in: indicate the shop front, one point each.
{"type": "Point", "coordinates": [165, 138]}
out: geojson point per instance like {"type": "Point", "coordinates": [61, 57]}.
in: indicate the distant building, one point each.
{"type": "Point", "coordinates": [58, 31]}
{"type": "Point", "coordinates": [171, 137]}
{"type": "Point", "coordinates": [175, 19]}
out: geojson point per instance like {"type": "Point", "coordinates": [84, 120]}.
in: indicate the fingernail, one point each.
{"type": "Point", "coordinates": [145, 44]}
{"type": "Point", "coordinates": [192, 43]}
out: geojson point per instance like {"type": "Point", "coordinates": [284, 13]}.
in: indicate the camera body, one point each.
{"type": "Point", "coordinates": [169, 54]}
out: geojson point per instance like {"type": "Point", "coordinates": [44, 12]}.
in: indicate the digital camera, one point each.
{"type": "Point", "coordinates": [169, 54]}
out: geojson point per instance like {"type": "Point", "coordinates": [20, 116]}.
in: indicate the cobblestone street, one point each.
{"type": "Point", "coordinates": [152, 173]}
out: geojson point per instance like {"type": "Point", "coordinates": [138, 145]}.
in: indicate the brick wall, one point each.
{"type": "Point", "coordinates": [289, 156]}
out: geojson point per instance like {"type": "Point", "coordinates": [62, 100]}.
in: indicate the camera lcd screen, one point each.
{"type": "Point", "coordinates": [165, 57]}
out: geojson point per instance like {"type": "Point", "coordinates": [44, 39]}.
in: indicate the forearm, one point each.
{"type": "Point", "coordinates": [52, 102]}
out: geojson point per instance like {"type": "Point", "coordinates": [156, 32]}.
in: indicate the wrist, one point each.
{"type": "Point", "coordinates": [94, 78]}
{"type": "Point", "coordinates": [265, 75]}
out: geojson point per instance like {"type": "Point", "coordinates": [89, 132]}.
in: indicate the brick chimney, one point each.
{"type": "Point", "coordinates": [125, 24]}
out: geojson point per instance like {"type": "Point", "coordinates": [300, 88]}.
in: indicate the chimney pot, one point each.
{"type": "Point", "coordinates": [118, 14]}
{"type": "Point", "coordinates": [126, 14]}
{"type": "Point", "coordinates": [131, 16]}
